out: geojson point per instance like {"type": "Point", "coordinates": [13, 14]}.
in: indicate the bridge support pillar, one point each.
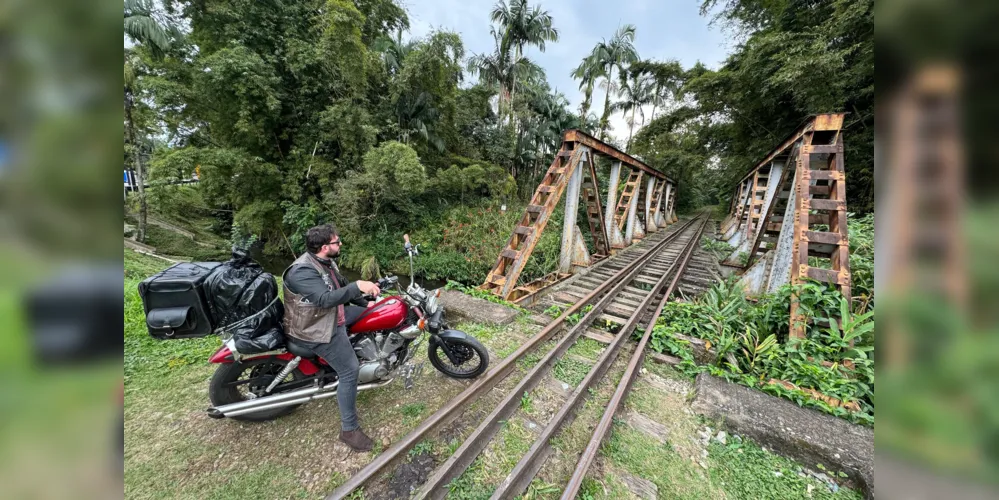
{"type": "Point", "coordinates": [613, 232]}
{"type": "Point", "coordinates": [667, 218]}
{"type": "Point", "coordinates": [650, 214]}
{"type": "Point", "coordinates": [569, 229]}
{"type": "Point", "coordinates": [629, 232]}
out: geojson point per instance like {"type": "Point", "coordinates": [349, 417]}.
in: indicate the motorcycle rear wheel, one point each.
{"type": "Point", "coordinates": [469, 352]}
{"type": "Point", "coordinates": [222, 392]}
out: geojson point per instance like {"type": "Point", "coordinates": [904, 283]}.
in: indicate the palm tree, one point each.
{"type": "Point", "coordinates": [416, 115]}
{"type": "Point", "coordinates": [394, 51]}
{"type": "Point", "coordinates": [616, 54]}
{"type": "Point", "coordinates": [142, 27]}
{"type": "Point", "coordinates": [636, 89]}
{"type": "Point", "coordinates": [500, 70]}
{"type": "Point", "coordinates": [587, 73]}
{"type": "Point", "coordinates": [521, 26]}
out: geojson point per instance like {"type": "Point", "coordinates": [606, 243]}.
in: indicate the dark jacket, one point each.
{"type": "Point", "coordinates": [312, 302]}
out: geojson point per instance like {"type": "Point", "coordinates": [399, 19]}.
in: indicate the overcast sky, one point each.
{"type": "Point", "coordinates": [666, 29]}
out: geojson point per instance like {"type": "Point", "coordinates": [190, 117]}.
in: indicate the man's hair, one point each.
{"type": "Point", "coordinates": [319, 236]}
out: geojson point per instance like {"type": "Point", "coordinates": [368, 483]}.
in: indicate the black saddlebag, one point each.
{"type": "Point", "coordinates": [176, 301]}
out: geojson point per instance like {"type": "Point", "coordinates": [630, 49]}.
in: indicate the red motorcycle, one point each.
{"type": "Point", "coordinates": [385, 337]}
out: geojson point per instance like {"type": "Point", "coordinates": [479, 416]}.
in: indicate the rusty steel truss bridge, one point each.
{"type": "Point", "coordinates": [801, 181]}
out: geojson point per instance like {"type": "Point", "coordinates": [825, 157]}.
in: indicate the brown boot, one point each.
{"type": "Point", "coordinates": [357, 440]}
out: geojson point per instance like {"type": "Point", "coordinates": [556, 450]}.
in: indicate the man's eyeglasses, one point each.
{"type": "Point", "coordinates": [337, 242]}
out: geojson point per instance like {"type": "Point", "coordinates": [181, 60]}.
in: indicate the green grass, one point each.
{"type": "Point", "coordinates": [587, 348]}
{"type": "Point", "coordinates": [531, 358]}
{"type": "Point", "coordinates": [413, 412]}
{"type": "Point", "coordinates": [661, 369]}
{"type": "Point", "coordinates": [526, 403]}
{"type": "Point", "coordinates": [607, 488]}
{"type": "Point", "coordinates": [736, 470]}
{"type": "Point", "coordinates": [413, 409]}
{"type": "Point", "coordinates": [425, 446]}
{"type": "Point", "coordinates": [747, 471]}
{"type": "Point", "coordinates": [571, 371]}
{"type": "Point", "coordinates": [145, 356]}
{"type": "Point", "coordinates": [169, 242]}
{"type": "Point", "coordinates": [482, 332]}
{"type": "Point", "coordinates": [506, 449]}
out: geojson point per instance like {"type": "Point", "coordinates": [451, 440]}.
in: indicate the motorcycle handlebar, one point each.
{"type": "Point", "coordinates": [410, 248]}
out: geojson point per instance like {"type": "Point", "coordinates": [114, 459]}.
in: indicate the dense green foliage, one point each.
{"type": "Point", "coordinates": [750, 337]}
{"type": "Point", "coordinates": [793, 60]}
{"type": "Point", "coordinates": [296, 114]}
{"type": "Point", "coordinates": [751, 346]}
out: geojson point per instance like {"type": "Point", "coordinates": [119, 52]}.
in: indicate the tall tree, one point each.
{"type": "Point", "coordinates": [143, 25]}
{"type": "Point", "coordinates": [612, 55]}
{"type": "Point", "coordinates": [667, 80]}
{"type": "Point", "coordinates": [588, 71]}
{"type": "Point", "coordinates": [393, 51]}
{"type": "Point", "coordinates": [271, 99]}
{"type": "Point", "coordinates": [522, 25]}
{"type": "Point", "coordinates": [636, 90]}
{"type": "Point", "coordinates": [143, 28]}
{"type": "Point", "coordinates": [425, 90]}
{"type": "Point", "coordinates": [501, 70]}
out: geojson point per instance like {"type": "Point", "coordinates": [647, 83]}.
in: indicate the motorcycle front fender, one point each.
{"type": "Point", "coordinates": [452, 334]}
{"type": "Point", "coordinates": [437, 339]}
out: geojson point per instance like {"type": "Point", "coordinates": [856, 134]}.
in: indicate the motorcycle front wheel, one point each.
{"type": "Point", "coordinates": [471, 357]}
{"type": "Point", "coordinates": [240, 381]}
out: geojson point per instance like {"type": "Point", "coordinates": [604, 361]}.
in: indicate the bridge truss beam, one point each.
{"type": "Point", "coordinates": [612, 226]}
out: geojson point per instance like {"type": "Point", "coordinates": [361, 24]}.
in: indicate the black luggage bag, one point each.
{"type": "Point", "coordinates": [176, 301]}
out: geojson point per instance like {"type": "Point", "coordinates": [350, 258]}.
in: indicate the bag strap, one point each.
{"type": "Point", "coordinates": [225, 329]}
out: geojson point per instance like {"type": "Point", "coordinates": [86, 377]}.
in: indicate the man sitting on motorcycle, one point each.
{"type": "Point", "coordinates": [317, 314]}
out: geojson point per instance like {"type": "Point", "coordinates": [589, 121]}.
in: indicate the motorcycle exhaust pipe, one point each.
{"type": "Point", "coordinates": [300, 396]}
{"type": "Point", "coordinates": [225, 410]}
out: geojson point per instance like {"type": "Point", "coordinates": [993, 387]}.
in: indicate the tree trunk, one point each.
{"type": "Point", "coordinates": [513, 82]}
{"type": "Point", "coordinates": [605, 119]}
{"type": "Point", "coordinates": [140, 175]}
{"type": "Point", "coordinates": [631, 130]}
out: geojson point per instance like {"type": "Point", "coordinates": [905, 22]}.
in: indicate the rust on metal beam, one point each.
{"type": "Point", "coordinates": [821, 122]}
{"type": "Point", "coordinates": [604, 149]}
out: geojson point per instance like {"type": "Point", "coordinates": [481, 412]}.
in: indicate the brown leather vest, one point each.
{"type": "Point", "coordinates": [305, 320]}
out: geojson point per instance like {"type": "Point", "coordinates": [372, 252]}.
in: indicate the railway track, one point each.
{"type": "Point", "coordinates": [642, 281]}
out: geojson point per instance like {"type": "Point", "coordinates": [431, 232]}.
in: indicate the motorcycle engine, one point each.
{"type": "Point", "coordinates": [377, 355]}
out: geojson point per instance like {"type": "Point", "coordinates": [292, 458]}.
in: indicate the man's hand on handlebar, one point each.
{"type": "Point", "coordinates": [368, 288]}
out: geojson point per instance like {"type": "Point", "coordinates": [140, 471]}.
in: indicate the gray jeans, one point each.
{"type": "Point", "coordinates": [340, 356]}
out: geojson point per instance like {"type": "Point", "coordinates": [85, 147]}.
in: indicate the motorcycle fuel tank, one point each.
{"type": "Point", "coordinates": [386, 314]}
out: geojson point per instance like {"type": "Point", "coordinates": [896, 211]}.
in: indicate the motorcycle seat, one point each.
{"type": "Point", "coordinates": [299, 349]}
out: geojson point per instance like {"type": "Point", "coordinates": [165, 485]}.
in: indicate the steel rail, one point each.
{"type": "Point", "coordinates": [624, 386]}
{"type": "Point", "coordinates": [462, 458]}
{"type": "Point", "coordinates": [481, 385]}
{"type": "Point", "coordinates": [526, 469]}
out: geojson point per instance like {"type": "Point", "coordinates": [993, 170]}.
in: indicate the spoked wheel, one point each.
{"type": "Point", "coordinates": [470, 357]}
{"type": "Point", "coordinates": [243, 381]}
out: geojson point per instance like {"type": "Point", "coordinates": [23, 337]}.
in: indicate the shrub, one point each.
{"type": "Point", "coordinates": [751, 344]}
